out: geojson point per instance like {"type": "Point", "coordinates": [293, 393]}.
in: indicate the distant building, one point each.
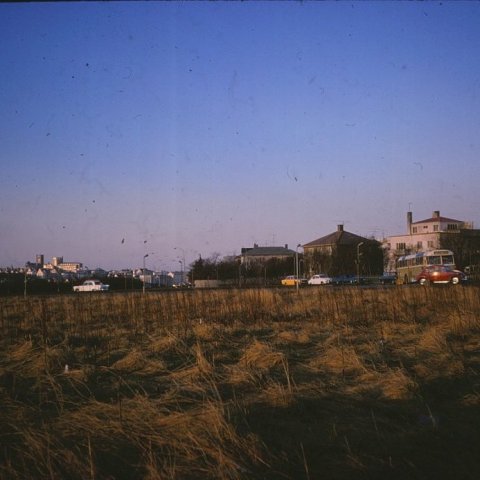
{"type": "Point", "coordinates": [58, 263]}
{"type": "Point", "coordinates": [434, 233]}
{"type": "Point", "coordinates": [31, 270]}
{"type": "Point", "coordinates": [343, 253]}
{"type": "Point", "coordinates": [98, 272]}
{"type": "Point", "coordinates": [49, 274]}
{"type": "Point", "coordinates": [39, 260]}
{"type": "Point", "coordinates": [258, 254]}
{"type": "Point", "coordinates": [43, 273]}
{"type": "Point", "coordinates": [70, 266]}
{"type": "Point", "coordinates": [159, 279]}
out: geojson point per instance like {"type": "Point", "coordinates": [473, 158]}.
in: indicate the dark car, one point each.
{"type": "Point", "coordinates": [344, 280]}
{"type": "Point", "coordinates": [440, 274]}
{"type": "Point", "coordinates": [388, 279]}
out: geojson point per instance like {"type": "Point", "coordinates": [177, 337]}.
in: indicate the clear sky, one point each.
{"type": "Point", "coordinates": [208, 126]}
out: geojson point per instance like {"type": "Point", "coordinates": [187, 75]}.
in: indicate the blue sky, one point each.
{"type": "Point", "coordinates": [206, 127]}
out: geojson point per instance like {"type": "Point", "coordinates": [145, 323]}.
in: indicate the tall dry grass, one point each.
{"type": "Point", "coordinates": [323, 383]}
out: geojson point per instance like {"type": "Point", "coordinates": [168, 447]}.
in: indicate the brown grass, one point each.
{"type": "Point", "coordinates": [327, 383]}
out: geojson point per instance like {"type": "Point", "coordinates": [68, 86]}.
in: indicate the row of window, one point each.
{"type": "Point", "coordinates": [403, 245]}
{"type": "Point", "coordinates": [436, 228]}
{"type": "Point", "coordinates": [426, 260]}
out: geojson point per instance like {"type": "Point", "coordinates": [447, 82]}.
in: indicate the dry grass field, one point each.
{"type": "Point", "coordinates": [329, 383]}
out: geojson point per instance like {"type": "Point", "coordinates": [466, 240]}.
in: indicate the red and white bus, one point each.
{"type": "Point", "coordinates": [409, 266]}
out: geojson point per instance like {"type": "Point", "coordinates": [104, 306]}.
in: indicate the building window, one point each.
{"type": "Point", "coordinates": [452, 226]}
{"type": "Point", "coordinates": [401, 246]}
{"type": "Point", "coordinates": [414, 229]}
{"type": "Point", "coordinates": [419, 245]}
{"type": "Point", "coordinates": [431, 244]}
{"type": "Point", "coordinates": [435, 228]}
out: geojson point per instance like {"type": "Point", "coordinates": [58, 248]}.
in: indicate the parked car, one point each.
{"type": "Point", "coordinates": [292, 280]}
{"type": "Point", "coordinates": [345, 280]}
{"type": "Point", "coordinates": [320, 279]}
{"type": "Point", "coordinates": [388, 279]}
{"type": "Point", "coordinates": [440, 274]}
{"type": "Point", "coordinates": [473, 272]}
{"type": "Point", "coordinates": [91, 286]}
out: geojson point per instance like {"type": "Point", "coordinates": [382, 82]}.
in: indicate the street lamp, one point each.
{"type": "Point", "coordinates": [358, 261]}
{"type": "Point", "coordinates": [144, 257]}
{"type": "Point", "coordinates": [297, 280]}
{"type": "Point", "coordinates": [181, 271]}
{"type": "Point", "coordinates": [183, 253]}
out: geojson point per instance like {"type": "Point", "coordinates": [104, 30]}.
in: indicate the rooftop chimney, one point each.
{"type": "Point", "coordinates": [436, 214]}
{"type": "Point", "coordinates": [339, 228]}
{"type": "Point", "coordinates": [286, 246]}
{"type": "Point", "coordinates": [409, 222]}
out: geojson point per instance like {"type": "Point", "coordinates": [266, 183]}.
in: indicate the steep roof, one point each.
{"type": "Point", "coordinates": [340, 237]}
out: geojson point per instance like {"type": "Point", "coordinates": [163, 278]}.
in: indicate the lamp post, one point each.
{"type": "Point", "coordinates": [144, 257]}
{"type": "Point", "coordinates": [358, 261]}
{"type": "Point", "coordinates": [297, 280]}
{"type": "Point", "coordinates": [181, 271]}
{"type": "Point", "coordinates": [183, 259]}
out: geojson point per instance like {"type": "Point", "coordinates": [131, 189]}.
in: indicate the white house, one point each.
{"type": "Point", "coordinates": [430, 233]}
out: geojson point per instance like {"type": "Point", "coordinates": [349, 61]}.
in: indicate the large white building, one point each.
{"type": "Point", "coordinates": [430, 233]}
{"type": "Point", "coordinates": [58, 263]}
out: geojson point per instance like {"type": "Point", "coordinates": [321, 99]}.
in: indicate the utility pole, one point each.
{"type": "Point", "coordinates": [181, 271]}
{"type": "Point", "coordinates": [358, 261]}
{"type": "Point", "coordinates": [143, 278]}
{"type": "Point", "coordinates": [297, 280]}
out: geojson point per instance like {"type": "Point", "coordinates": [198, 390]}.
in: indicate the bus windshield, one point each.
{"type": "Point", "coordinates": [440, 260]}
{"type": "Point", "coordinates": [434, 260]}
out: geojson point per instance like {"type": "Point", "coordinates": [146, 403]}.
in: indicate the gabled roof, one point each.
{"type": "Point", "coordinates": [268, 252]}
{"type": "Point", "coordinates": [340, 237]}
